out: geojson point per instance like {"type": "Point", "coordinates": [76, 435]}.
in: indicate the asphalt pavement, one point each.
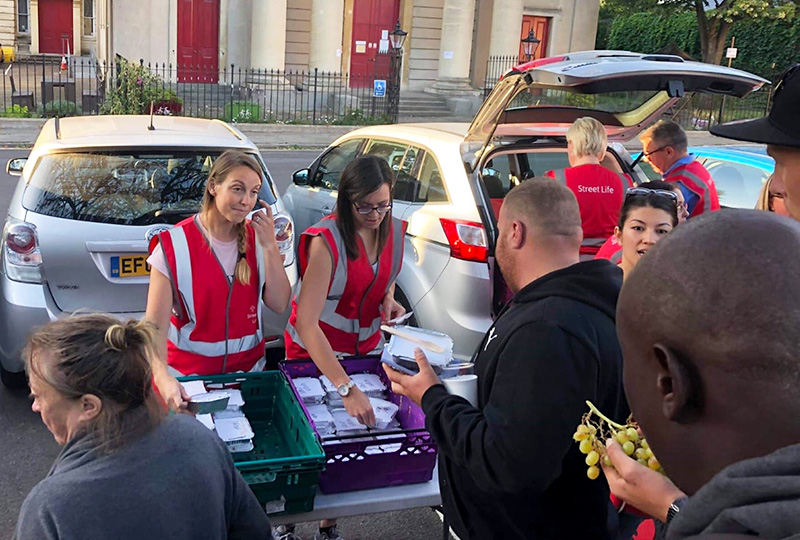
{"type": "Point", "coordinates": [27, 449]}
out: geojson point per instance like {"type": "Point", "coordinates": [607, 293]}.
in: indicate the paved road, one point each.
{"type": "Point", "coordinates": [27, 449]}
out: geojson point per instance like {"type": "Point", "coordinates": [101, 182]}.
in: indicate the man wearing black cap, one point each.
{"type": "Point", "coordinates": [780, 131]}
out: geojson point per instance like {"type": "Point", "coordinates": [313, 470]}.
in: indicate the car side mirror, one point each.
{"type": "Point", "coordinates": [300, 177]}
{"type": "Point", "coordinates": [14, 166]}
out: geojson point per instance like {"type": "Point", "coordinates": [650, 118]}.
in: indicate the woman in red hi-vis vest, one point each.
{"type": "Point", "coordinates": [348, 264]}
{"type": "Point", "coordinates": [210, 273]}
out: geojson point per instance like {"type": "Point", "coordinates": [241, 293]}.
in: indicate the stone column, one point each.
{"type": "Point", "coordinates": [327, 22]}
{"type": "Point", "coordinates": [239, 34]}
{"type": "Point", "coordinates": [33, 25]}
{"type": "Point", "coordinates": [455, 49]}
{"type": "Point", "coordinates": [506, 25]}
{"type": "Point", "coordinates": [268, 34]}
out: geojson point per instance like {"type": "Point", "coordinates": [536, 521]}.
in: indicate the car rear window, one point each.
{"type": "Point", "coordinates": [124, 188]}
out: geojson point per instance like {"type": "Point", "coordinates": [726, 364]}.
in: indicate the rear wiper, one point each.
{"type": "Point", "coordinates": [174, 212]}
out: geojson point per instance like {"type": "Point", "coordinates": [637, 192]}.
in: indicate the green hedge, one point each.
{"type": "Point", "coordinates": [760, 42]}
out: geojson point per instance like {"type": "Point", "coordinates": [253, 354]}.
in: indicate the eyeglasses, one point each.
{"type": "Point", "coordinates": [367, 210]}
{"type": "Point", "coordinates": [648, 154]}
{"type": "Point", "coordinates": [644, 192]}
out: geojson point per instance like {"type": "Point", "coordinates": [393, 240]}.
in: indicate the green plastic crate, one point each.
{"type": "Point", "coordinates": [284, 466]}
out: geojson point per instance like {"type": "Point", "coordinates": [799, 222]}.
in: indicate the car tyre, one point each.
{"type": "Point", "coordinates": [403, 301]}
{"type": "Point", "coordinates": [13, 380]}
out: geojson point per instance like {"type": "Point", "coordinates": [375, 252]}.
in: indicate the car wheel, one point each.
{"type": "Point", "coordinates": [403, 301]}
{"type": "Point", "coordinates": [13, 380]}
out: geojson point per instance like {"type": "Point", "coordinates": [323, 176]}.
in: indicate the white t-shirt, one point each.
{"type": "Point", "coordinates": [227, 253]}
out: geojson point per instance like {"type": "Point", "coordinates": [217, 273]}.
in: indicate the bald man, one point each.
{"type": "Point", "coordinates": [712, 375]}
{"type": "Point", "coordinates": [509, 468]}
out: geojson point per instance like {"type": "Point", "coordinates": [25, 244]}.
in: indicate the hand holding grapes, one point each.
{"type": "Point", "coordinates": [638, 485]}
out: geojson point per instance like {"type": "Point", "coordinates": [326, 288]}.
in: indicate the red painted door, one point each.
{"type": "Point", "coordinates": [370, 19]}
{"type": "Point", "coordinates": [55, 26]}
{"type": "Point", "coordinates": [198, 40]}
{"type": "Point", "coordinates": [541, 29]}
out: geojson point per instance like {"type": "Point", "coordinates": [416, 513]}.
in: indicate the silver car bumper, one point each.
{"type": "Point", "coordinates": [22, 307]}
{"type": "Point", "coordinates": [459, 305]}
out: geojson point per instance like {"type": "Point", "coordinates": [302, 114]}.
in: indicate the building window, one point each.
{"type": "Point", "coordinates": [88, 17]}
{"type": "Point", "coordinates": [23, 26]}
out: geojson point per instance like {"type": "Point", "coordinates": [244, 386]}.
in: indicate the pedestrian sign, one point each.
{"type": "Point", "coordinates": [379, 88]}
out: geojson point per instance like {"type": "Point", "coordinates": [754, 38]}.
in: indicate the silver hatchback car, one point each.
{"type": "Point", "coordinates": [451, 178]}
{"type": "Point", "coordinates": [91, 195]}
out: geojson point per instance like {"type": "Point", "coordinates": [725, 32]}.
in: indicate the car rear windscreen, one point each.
{"type": "Point", "coordinates": [124, 188]}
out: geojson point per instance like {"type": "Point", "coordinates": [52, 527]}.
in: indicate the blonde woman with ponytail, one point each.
{"type": "Point", "coordinates": [209, 275]}
{"type": "Point", "coordinates": [126, 470]}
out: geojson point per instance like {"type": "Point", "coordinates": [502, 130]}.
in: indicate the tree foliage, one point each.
{"type": "Point", "coordinates": [714, 18]}
{"type": "Point", "coordinates": [761, 43]}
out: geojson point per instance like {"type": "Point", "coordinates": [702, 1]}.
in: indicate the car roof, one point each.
{"type": "Point", "coordinates": [441, 131]}
{"type": "Point", "coordinates": [132, 131]}
{"type": "Point", "coordinates": [742, 155]}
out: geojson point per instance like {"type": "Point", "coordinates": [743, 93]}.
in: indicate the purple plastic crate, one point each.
{"type": "Point", "coordinates": [354, 463]}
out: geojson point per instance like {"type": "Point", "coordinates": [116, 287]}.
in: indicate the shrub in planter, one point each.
{"type": "Point", "coordinates": [242, 112]}
{"type": "Point", "coordinates": [58, 108]}
{"type": "Point", "coordinates": [165, 101]}
{"type": "Point", "coordinates": [16, 111]}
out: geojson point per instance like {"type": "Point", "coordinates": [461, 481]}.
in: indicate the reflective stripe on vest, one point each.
{"type": "Point", "coordinates": [181, 334]}
{"type": "Point", "coordinates": [561, 176]}
{"type": "Point", "coordinates": [700, 188]}
{"type": "Point", "coordinates": [332, 316]}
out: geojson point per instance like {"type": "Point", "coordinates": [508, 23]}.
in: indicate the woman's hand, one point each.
{"type": "Point", "coordinates": [358, 406]}
{"type": "Point", "coordinates": [639, 486]}
{"type": "Point", "coordinates": [391, 308]}
{"type": "Point", "coordinates": [172, 391]}
{"type": "Point", "coordinates": [264, 225]}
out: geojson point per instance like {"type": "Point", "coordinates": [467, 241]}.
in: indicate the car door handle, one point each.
{"type": "Point", "coordinates": [327, 210]}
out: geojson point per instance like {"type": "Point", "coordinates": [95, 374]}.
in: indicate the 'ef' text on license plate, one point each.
{"type": "Point", "coordinates": [129, 266]}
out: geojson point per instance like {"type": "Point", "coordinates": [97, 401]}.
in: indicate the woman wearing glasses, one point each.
{"type": "Point", "coordinates": [348, 264]}
{"type": "Point", "coordinates": [647, 216]}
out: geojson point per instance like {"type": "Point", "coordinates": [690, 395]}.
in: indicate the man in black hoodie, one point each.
{"type": "Point", "coordinates": [509, 468]}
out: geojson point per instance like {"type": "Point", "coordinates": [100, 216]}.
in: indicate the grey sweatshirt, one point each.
{"type": "Point", "coordinates": [759, 497]}
{"type": "Point", "coordinates": [176, 482]}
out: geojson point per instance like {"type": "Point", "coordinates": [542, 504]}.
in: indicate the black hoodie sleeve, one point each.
{"type": "Point", "coordinates": [519, 439]}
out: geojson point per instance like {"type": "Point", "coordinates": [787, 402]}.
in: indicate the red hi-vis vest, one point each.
{"type": "Point", "coordinates": [696, 179]}
{"type": "Point", "coordinates": [216, 324]}
{"type": "Point", "coordinates": [600, 193]}
{"type": "Point", "coordinates": [351, 316]}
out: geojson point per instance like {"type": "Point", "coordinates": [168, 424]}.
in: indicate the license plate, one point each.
{"type": "Point", "coordinates": [123, 266]}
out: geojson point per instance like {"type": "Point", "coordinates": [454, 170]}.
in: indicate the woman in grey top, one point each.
{"type": "Point", "coordinates": [126, 470]}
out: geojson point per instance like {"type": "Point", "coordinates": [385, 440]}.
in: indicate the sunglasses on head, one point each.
{"type": "Point", "coordinates": [644, 192]}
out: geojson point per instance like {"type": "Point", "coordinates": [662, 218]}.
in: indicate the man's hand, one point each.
{"type": "Point", "coordinates": [639, 486]}
{"type": "Point", "coordinates": [413, 386]}
{"type": "Point", "coordinates": [173, 392]}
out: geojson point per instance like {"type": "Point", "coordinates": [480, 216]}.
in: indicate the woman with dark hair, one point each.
{"type": "Point", "coordinates": [647, 216]}
{"type": "Point", "coordinates": [348, 264]}
{"type": "Point", "coordinates": [210, 274]}
{"type": "Point", "coordinates": [612, 251]}
{"type": "Point", "coordinates": [125, 470]}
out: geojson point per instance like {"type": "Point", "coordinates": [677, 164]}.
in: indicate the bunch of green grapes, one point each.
{"type": "Point", "coordinates": [595, 429]}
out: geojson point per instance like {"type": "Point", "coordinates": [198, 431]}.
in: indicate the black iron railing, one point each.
{"type": "Point", "coordinates": [45, 87]}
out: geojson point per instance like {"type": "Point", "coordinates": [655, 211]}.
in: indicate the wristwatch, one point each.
{"type": "Point", "coordinates": [344, 389]}
{"type": "Point", "coordinates": [675, 508]}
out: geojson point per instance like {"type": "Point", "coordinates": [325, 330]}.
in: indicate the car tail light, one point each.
{"type": "Point", "coordinates": [284, 235]}
{"type": "Point", "coordinates": [21, 256]}
{"type": "Point", "coordinates": [467, 239]}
